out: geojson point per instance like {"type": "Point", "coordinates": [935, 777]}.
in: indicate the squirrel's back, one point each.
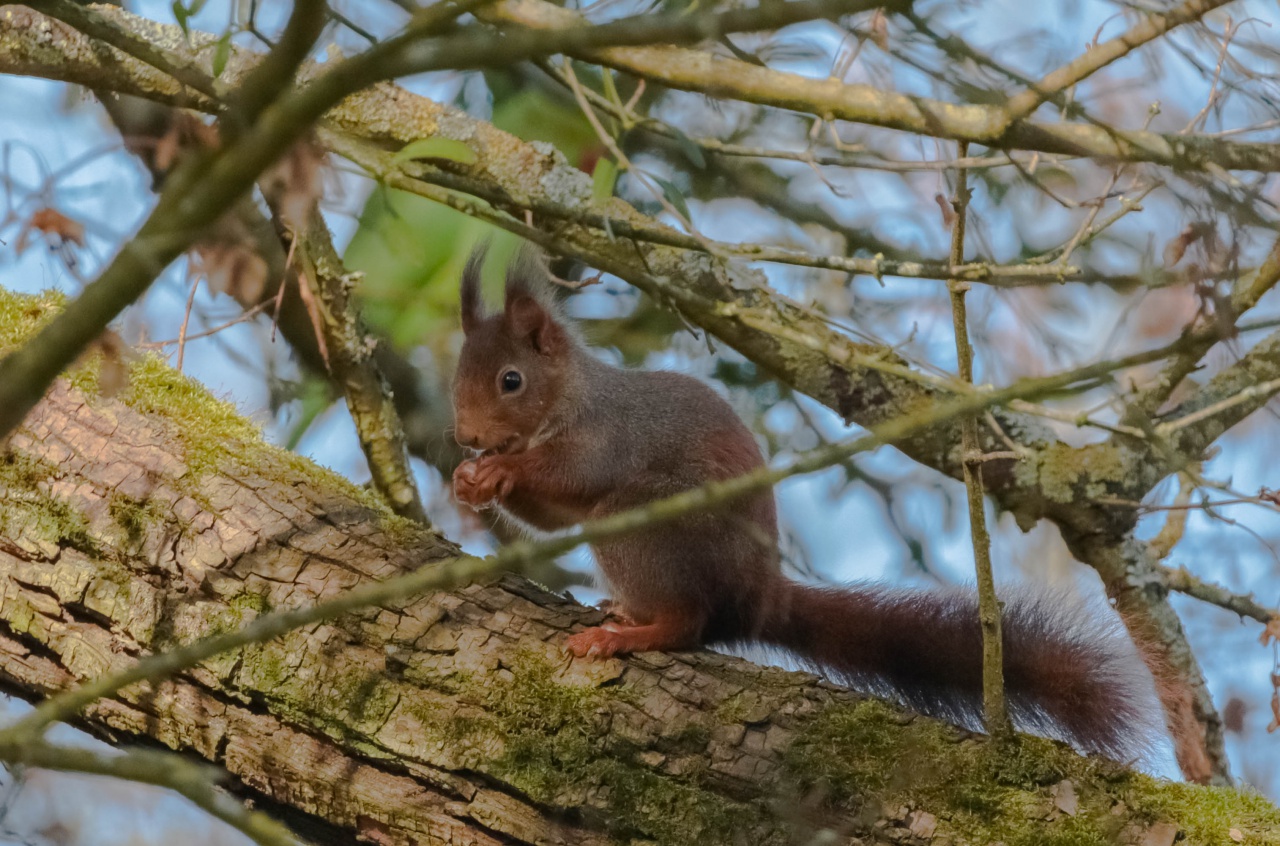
{"type": "Point", "coordinates": [668, 420]}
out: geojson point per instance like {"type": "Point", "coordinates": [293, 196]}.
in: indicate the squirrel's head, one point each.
{"type": "Point", "coordinates": [512, 370]}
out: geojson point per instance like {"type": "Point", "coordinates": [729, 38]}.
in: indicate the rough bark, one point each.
{"type": "Point", "coordinates": [134, 523]}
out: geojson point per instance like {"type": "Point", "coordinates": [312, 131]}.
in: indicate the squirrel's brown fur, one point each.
{"type": "Point", "coordinates": [578, 439]}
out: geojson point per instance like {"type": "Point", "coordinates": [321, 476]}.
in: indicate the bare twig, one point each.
{"type": "Point", "coordinates": [996, 712]}
{"type": "Point", "coordinates": [163, 769]}
{"type": "Point", "coordinates": [1179, 579]}
{"type": "Point", "coordinates": [1151, 27]}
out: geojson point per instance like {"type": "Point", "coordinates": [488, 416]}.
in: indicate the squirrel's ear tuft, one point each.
{"type": "Point", "coordinates": [531, 310]}
{"type": "Point", "coordinates": [471, 298]}
{"type": "Point", "coordinates": [527, 319]}
{"type": "Point", "coordinates": [527, 276]}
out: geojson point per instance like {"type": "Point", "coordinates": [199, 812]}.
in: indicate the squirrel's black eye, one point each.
{"type": "Point", "coordinates": [511, 381]}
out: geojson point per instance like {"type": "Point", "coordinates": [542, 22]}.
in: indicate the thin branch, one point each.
{"type": "Point", "coordinates": [1098, 56]}
{"type": "Point", "coordinates": [1248, 394]}
{"type": "Point", "coordinates": [612, 146]}
{"type": "Point", "coordinates": [1179, 579]}
{"type": "Point", "coordinates": [648, 231]}
{"type": "Point", "coordinates": [1245, 293]}
{"type": "Point", "coordinates": [162, 769]}
{"type": "Point", "coordinates": [243, 317]}
{"type": "Point", "coordinates": [1222, 402]}
{"type": "Point", "coordinates": [995, 711]}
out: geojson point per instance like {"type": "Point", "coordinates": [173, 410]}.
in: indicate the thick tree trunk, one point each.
{"type": "Point", "coordinates": [128, 525]}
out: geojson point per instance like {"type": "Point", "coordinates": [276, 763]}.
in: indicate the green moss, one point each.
{"type": "Point", "coordinates": [1206, 814]}
{"type": "Point", "coordinates": [556, 746]}
{"type": "Point", "coordinates": [983, 792]}
{"type": "Point", "coordinates": [135, 517]}
{"type": "Point", "coordinates": [31, 515]}
{"type": "Point", "coordinates": [367, 702]}
{"type": "Point", "coordinates": [22, 315]}
{"type": "Point", "coordinates": [731, 710]}
{"type": "Point", "coordinates": [217, 437]}
{"type": "Point", "coordinates": [249, 604]}
{"type": "Point", "coordinates": [211, 430]}
{"type": "Point", "coordinates": [692, 738]}
{"type": "Point", "coordinates": [214, 434]}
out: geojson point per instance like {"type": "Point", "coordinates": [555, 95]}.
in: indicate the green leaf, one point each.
{"type": "Point", "coordinates": [411, 251]}
{"type": "Point", "coordinates": [221, 52]}
{"type": "Point", "coordinates": [692, 151]}
{"type": "Point", "coordinates": [436, 148]}
{"type": "Point", "coordinates": [610, 90]}
{"type": "Point", "coordinates": [603, 178]}
{"type": "Point", "coordinates": [183, 13]}
{"type": "Point", "coordinates": [674, 197]}
{"type": "Point", "coordinates": [535, 116]}
{"type": "Point", "coordinates": [180, 14]}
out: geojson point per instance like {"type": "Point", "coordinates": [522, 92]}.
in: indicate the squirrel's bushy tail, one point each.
{"type": "Point", "coordinates": [1069, 673]}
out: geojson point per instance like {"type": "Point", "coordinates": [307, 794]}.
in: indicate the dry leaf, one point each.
{"type": "Point", "coordinates": [185, 132]}
{"type": "Point", "coordinates": [114, 375]}
{"type": "Point", "coordinates": [54, 223]}
{"type": "Point", "coordinates": [114, 353]}
{"type": "Point", "coordinates": [228, 259]}
{"type": "Point", "coordinates": [880, 29]}
{"type": "Point", "coordinates": [295, 182]}
{"type": "Point", "coordinates": [1270, 632]}
{"type": "Point", "coordinates": [1236, 835]}
{"type": "Point", "coordinates": [948, 213]}
{"type": "Point", "coordinates": [1192, 232]}
{"type": "Point", "coordinates": [1233, 714]}
{"type": "Point", "coordinates": [56, 227]}
{"type": "Point", "coordinates": [231, 268]}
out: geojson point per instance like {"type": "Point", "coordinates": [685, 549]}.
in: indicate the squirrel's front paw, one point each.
{"type": "Point", "coordinates": [479, 482]}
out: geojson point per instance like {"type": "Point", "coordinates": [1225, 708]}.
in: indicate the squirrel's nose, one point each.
{"type": "Point", "coordinates": [466, 437]}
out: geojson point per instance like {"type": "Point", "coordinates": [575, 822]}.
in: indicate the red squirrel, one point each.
{"type": "Point", "coordinates": [564, 438]}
